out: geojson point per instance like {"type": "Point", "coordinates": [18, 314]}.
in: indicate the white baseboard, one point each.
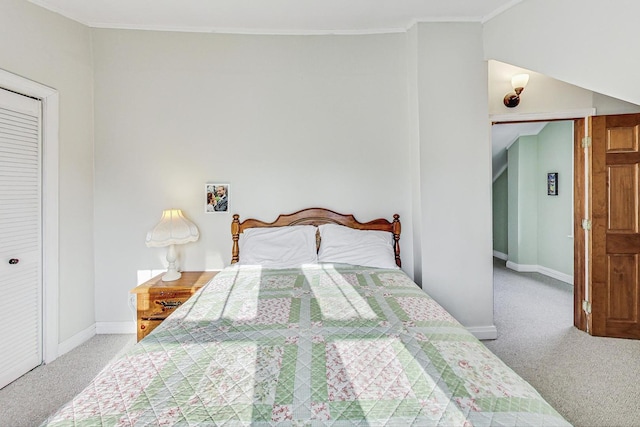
{"type": "Point", "coordinates": [556, 275]}
{"type": "Point", "coordinates": [500, 255]}
{"type": "Point", "coordinates": [116, 327]}
{"type": "Point", "coordinates": [524, 268]}
{"type": "Point", "coordinates": [79, 338]}
{"type": "Point", "coordinates": [484, 332]}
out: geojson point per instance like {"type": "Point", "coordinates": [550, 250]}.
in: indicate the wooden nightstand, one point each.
{"type": "Point", "coordinates": [157, 299]}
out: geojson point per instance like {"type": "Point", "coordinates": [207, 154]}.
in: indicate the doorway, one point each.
{"type": "Point", "coordinates": [533, 197]}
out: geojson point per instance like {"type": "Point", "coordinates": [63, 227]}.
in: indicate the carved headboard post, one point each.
{"type": "Point", "coordinates": [396, 238]}
{"type": "Point", "coordinates": [235, 233]}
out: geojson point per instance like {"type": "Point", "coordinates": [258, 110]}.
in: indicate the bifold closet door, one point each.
{"type": "Point", "coordinates": [20, 236]}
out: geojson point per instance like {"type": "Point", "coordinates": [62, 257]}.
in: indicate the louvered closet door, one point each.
{"type": "Point", "coordinates": [20, 236]}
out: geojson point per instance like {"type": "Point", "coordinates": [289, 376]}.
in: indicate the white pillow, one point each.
{"type": "Point", "coordinates": [278, 247]}
{"type": "Point", "coordinates": [371, 248]}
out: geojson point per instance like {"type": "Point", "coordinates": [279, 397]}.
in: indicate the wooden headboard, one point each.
{"type": "Point", "coordinates": [317, 216]}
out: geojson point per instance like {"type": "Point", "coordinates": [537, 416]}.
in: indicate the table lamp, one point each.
{"type": "Point", "coordinates": [173, 229]}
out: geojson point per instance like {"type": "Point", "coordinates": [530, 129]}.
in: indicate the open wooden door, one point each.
{"type": "Point", "coordinates": [612, 254]}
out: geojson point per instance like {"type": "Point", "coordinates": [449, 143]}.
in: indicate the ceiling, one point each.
{"type": "Point", "coordinates": [273, 16]}
{"type": "Point", "coordinates": [503, 135]}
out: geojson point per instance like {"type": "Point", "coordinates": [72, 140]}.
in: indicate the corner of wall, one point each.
{"type": "Point", "coordinates": [76, 340]}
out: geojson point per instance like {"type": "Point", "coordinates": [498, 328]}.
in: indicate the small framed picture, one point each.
{"type": "Point", "coordinates": [552, 184]}
{"type": "Point", "coordinates": [217, 198]}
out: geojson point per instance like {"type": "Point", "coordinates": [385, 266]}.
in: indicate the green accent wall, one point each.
{"type": "Point", "coordinates": [513, 168]}
{"type": "Point", "coordinates": [523, 203]}
{"type": "Point", "coordinates": [539, 227]}
{"type": "Point", "coordinates": [500, 214]}
{"type": "Point", "coordinates": [555, 213]}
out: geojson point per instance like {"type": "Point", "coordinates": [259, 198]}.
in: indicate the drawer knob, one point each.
{"type": "Point", "coordinates": [14, 261]}
{"type": "Point", "coordinates": [169, 304]}
{"type": "Point", "coordinates": [143, 327]}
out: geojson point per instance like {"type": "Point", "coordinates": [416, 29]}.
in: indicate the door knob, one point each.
{"type": "Point", "coordinates": [14, 261]}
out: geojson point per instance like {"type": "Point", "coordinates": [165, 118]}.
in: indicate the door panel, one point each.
{"type": "Point", "coordinates": [616, 232]}
{"type": "Point", "coordinates": [623, 139]}
{"type": "Point", "coordinates": [20, 236]}
{"type": "Point", "coordinates": [623, 285]}
{"type": "Point", "coordinates": [623, 198]}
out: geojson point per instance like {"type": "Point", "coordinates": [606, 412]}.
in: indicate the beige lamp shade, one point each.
{"type": "Point", "coordinates": [173, 229]}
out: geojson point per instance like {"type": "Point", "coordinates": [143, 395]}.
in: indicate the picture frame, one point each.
{"type": "Point", "coordinates": [217, 197]}
{"type": "Point", "coordinates": [552, 183]}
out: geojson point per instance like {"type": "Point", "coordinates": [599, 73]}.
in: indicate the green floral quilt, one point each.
{"type": "Point", "coordinates": [319, 345]}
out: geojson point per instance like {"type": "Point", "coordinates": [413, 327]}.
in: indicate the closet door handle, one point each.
{"type": "Point", "coordinates": [14, 261]}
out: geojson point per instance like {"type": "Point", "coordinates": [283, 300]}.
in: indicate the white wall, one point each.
{"type": "Point", "coordinates": [290, 121]}
{"type": "Point", "coordinates": [592, 44]}
{"type": "Point", "coordinates": [543, 94]}
{"type": "Point", "coordinates": [455, 168]}
{"type": "Point", "coordinates": [46, 48]}
{"type": "Point", "coordinates": [546, 95]}
{"type": "Point", "coordinates": [608, 105]}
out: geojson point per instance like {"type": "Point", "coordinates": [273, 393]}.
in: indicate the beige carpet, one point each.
{"type": "Point", "coordinates": [591, 381]}
{"type": "Point", "coordinates": [29, 400]}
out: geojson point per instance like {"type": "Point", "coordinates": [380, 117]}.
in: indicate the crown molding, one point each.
{"type": "Point", "coordinates": [245, 31]}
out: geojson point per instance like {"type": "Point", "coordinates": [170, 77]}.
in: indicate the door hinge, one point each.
{"type": "Point", "coordinates": [586, 224]}
{"type": "Point", "coordinates": [586, 142]}
{"type": "Point", "coordinates": [586, 308]}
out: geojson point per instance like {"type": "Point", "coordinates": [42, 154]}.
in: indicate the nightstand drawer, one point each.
{"type": "Point", "coordinates": [160, 306]}
{"type": "Point", "coordinates": [169, 295]}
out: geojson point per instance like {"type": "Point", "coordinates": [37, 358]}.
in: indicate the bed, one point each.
{"type": "Point", "coordinates": [301, 330]}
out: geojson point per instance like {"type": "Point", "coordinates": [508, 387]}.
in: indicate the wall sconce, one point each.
{"type": "Point", "coordinates": [173, 229]}
{"type": "Point", "coordinates": [518, 82]}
